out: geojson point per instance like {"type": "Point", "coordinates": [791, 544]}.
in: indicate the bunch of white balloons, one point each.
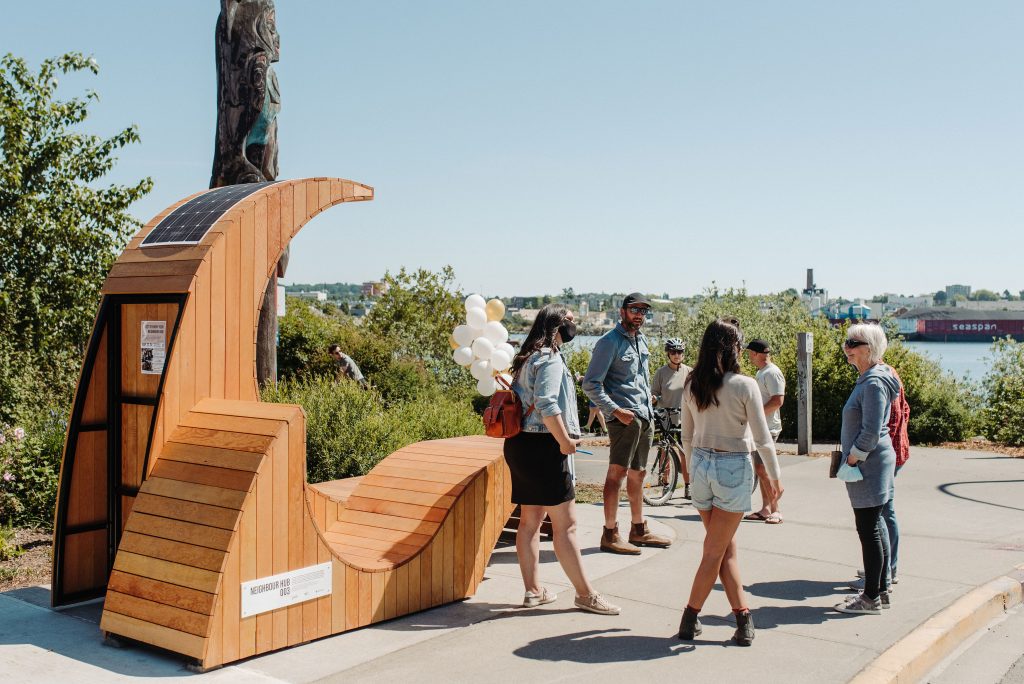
{"type": "Point", "coordinates": [481, 344]}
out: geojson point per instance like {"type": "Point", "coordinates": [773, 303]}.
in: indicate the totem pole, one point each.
{"type": "Point", "coordinates": [248, 100]}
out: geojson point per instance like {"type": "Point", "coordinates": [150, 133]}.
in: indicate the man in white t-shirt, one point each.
{"type": "Point", "coordinates": [772, 384]}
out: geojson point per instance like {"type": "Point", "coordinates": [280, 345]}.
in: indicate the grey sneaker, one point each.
{"type": "Point", "coordinates": [859, 605]}
{"type": "Point", "coordinates": [858, 585]}
{"type": "Point", "coordinates": [595, 603]}
{"type": "Point", "coordinates": [532, 600]}
{"type": "Point", "coordinates": [885, 600]}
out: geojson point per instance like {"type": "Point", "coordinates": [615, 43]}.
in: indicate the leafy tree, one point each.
{"type": "Point", "coordinates": [1003, 413]}
{"type": "Point", "coordinates": [418, 313]}
{"type": "Point", "coordinates": [984, 295]}
{"type": "Point", "coordinates": [940, 297]}
{"type": "Point", "coordinates": [60, 228]}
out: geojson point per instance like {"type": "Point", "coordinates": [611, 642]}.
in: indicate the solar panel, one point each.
{"type": "Point", "coordinates": [189, 223]}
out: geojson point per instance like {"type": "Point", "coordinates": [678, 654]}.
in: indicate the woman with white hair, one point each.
{"type": "Point", "coordinates": [866, 445]}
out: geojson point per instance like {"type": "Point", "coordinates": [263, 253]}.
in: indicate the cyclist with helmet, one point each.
{"type": "Point", "coordinates": [667, 390]}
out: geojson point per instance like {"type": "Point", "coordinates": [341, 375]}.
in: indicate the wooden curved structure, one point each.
{"type": "Point", "coordinates": [179, 489]}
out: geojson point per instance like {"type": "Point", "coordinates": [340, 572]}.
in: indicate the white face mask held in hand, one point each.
{"type": "Point", "coordinates": [849, 473]}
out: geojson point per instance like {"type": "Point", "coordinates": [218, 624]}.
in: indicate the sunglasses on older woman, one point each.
{"type": "Point", "coordinates": [853, 344]}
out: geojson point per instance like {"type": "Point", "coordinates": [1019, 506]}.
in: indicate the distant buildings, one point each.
{"type": "Point", "coordinates": [374, 288]}
{"type": "Point", "coordinates": [954, 290]}
{"type": "Point", "coordinates": [314, 295]}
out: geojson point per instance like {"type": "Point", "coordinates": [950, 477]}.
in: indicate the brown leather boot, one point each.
{"type": "Point", "coordinates": [612, 543]}
{"type": "Point", "coordinates": [641, 536]}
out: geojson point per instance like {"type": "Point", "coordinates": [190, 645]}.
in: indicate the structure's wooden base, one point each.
{"type": "Point", "coordinates": [228, 503]}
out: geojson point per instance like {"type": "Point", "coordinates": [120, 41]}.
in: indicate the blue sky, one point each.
{"type": "Point", "coordinates": [613, 146]}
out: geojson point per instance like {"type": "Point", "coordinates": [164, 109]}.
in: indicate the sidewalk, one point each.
{"type": "Point", "coordinates": [962, 523]}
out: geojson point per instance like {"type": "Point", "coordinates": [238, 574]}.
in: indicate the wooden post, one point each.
{"type": "Point", "coordinates": [804, 348]}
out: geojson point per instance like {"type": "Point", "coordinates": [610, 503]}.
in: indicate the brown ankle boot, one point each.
{"type": "Point", "coordinates": [612, 543]}
{"type": "Point", "coordinates": [641, 536]}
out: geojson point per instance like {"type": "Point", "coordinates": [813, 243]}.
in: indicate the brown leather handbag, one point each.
{"type": "Point", "coordinates": [503, 417]}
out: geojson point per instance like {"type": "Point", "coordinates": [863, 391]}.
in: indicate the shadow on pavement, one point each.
{"type": "Point", "coordinates": [80, 638]}
{"type": "Point", "coordinates": [797, 590]}
{"type": "Point", "coordinates": [603, 646]}
{"type": "Point", "coordinates": [945, 489]}
{"type": "Point", "coordinates": [779, 616]}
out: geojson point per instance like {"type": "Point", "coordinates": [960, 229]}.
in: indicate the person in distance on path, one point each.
{"type": "Point", "coordinates": [618, 381]}
{"type": "Point", "coordinates": [723, 421]}
{"type": "Point", "coordinates": [667, 389]}
{"type": "Point", "coordinates": [772, 384]}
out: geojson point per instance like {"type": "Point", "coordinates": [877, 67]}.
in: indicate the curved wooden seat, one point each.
{"type": "Point", "coordinates": [179, 489]}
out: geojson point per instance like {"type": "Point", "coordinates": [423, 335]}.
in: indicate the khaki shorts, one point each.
{"type": "Point", "coordinates": [630, 444]}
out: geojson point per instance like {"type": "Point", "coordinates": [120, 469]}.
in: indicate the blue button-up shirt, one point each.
{"type": "Point", "coordinates": [619, 374]}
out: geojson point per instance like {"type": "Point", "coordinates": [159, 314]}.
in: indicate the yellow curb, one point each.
{"type": "Point", "coordinates": [913, 656]}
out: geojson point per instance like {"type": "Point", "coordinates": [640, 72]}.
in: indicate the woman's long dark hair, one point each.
{"type": "Point", "coordinates": [541, 335]}
{"type": "Point", "coordinates": [719, 354]}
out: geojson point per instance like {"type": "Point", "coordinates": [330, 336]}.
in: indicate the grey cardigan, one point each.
{"type": "Point", "coordinates": [865, 435]}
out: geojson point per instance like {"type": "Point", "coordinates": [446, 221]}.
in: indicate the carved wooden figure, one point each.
{"type": "Point", "coordinates": [183, 499]}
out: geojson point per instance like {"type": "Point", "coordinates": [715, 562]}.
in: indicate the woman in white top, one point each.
{"type": "Point", "coordinates": [723, 421]}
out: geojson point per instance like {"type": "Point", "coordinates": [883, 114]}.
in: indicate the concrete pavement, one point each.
{"type": "Point", "coordinates": [962, 524]}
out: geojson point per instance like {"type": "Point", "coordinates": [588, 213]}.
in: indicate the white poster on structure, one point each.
{"type": "Point", "coordinates": [153, 343]}
{"type": "Point", "coordinates": [281, 309]}
{"type": "Point", "coordinates": [286, 589]}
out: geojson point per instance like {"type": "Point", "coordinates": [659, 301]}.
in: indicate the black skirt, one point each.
{"type": "Point", "coordinates": [540, 471]}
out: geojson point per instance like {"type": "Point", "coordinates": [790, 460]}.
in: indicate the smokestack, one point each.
{"type": "Point", "coordinates": [810, 279]}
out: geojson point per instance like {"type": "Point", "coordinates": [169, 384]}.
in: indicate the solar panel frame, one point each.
{"type": "Point", "coordinates": [189, 223]}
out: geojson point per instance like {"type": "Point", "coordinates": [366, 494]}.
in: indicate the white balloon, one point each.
{"type": "Point", "coordinates": [463, 356]}
{"type": "Point", "coordinates": [480, 369]}
{"type": "Point", "coordinates": [482, 348]}
{"type": "Point", "coordinates": [500, 360]}
{"type": "Point", "coordinates": [506, 347]}
{"type": "Point", "coordinates": [463, 334]}
{"type": "Point", "coordinates": [487, 386]}
{"type": "Point", "coordinates": [477, 318]}
{"type": "Point", "coordinates": [475, 301]}
{"type": "Point", "coordinates": [495, 332]}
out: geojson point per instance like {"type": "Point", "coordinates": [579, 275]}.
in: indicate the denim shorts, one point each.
{"type": "Point", "coordinates": [721, 479]}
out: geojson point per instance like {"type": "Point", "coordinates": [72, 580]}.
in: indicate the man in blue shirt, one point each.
{"type": "Point", "coordinates": [618, 381]}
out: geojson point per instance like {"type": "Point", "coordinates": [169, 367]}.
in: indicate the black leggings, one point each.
{"type": "Point", "coordinates": [876, 558]}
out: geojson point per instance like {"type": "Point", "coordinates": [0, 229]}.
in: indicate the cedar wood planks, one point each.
{"type": "Point", "coordinates": [416, 530]}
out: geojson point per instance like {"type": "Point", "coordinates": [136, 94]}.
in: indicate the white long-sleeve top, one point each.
{"type": "Point", "coordinates": [736, 424]}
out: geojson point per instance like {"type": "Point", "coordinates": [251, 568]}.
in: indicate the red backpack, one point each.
{"type": "Point", "coordinates": [899, 417]}
{"type": "Point", "coordinates": [503, 417]}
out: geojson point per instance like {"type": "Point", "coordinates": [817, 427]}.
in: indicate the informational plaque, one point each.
{"type": "Point", "coordinates": [153, 344]}
{"type": "Point", "coordinates": [286, 589]}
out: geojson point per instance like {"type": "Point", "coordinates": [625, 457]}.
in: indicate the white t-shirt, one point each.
{"type": "Point", "coordinates": [771, 382]}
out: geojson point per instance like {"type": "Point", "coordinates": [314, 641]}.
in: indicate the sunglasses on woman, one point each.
{"type": "Point", "coordinates": [853, 344]}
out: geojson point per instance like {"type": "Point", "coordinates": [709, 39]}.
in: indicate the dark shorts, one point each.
{"type": "Point", "coordinates": [630, 444]}
{"type": "Point", "coordinates": [757, 457]}
{"type": "Point", "coordinates": [540, 471]}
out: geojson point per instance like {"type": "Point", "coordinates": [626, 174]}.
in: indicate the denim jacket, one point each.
{"type": "Point", "coordinates": [619, 374]}
{"type": "Point", "coordinates": [544, 382]}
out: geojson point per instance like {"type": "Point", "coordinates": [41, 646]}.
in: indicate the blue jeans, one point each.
{"type": "Point", "coordinates": [891, 531]}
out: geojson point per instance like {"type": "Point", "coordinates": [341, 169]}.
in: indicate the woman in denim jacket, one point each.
{"type": "Point", "coordinates": [538, 459]}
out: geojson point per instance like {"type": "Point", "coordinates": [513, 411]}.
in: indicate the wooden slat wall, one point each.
{"type": "Point", "coordinates": [221, 503]}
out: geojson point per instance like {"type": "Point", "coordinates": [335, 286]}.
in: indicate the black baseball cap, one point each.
{"type": "Point", "coordinates": [759, 346]}
{"type": "Point", "coordinates": [635, 298]}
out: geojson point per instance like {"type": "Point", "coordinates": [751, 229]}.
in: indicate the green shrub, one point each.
{"type": "Point", "coordinates": [1002, 416]}
{"type": "Point", "coordinates": [349, 429]}
{"type": "Point", "coordinates": [30, 458]}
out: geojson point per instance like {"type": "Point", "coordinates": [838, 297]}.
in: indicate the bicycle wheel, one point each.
{"type": "Point", "coordinates": [660, 477]}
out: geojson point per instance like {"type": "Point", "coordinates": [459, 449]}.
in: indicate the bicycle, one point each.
{"type": "Point", "coordinates": [662, 475]}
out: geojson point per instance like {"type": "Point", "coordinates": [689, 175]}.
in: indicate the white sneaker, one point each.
{"type": "Point", "coordinates": [595, 603]}
{"type": "Point", "coordinates": [532, 600]}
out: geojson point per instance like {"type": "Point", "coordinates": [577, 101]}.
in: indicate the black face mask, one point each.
{"type": "Point", "coordinates": [568, 331]}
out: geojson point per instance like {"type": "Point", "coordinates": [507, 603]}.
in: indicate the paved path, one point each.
{"type": "Point", "coordinates": [962, 520]}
